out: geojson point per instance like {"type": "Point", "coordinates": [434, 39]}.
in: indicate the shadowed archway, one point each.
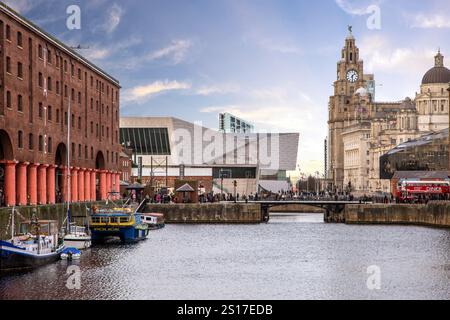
{"type": "Point", "coordinates": [6, 153]}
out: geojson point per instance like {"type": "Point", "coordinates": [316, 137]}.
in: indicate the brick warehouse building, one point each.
{"type": "Point", "coordinates": [38, 77]}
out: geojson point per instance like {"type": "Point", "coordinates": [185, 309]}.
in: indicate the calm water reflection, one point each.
{"type": "Point", "coordinates": [292, 257]}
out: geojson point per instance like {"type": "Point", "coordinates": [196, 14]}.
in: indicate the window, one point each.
{"type": "Point", "coordinates": [107, 132]}
{"type": "Point", "coordinates": [8, 32]}
{"type": "Point", "coordinates": [41, 80]}
{"type": "Point", "coordinates": [79, 74]}
{"type": "Point", "coordinates": [92, 104]}
{"type": "Point", "coordinates": [96, 130]}
{"type": "Point", "coordinates": [40, 52]}
{"type": "Point", "coordinates": [8, 99]}
{"type": "Point", "coordinates": [92, 127]}
{"type": "Point", "coordinates": [20, 140]}
{"type": "Point", "coordinates": [86, 152]}
{"type": "Point", "coordinates": [73, 94]}
{"type": "Point", "coordinates": [79, 97]}
{"type": "Point", "coordinates": [65, 118]}
{"type": "Point", "coordinates": [73, 150]}
{"type": "Point", "coordinates": [41, 144]}
{"type": "Point", "coordinates": [49, 84]}
{"type": "Point", "coordinates": [79, 123]}
{"type": "Point", "coordinates": [49, 113]}
{"type": "Point", "coordinates": [66, 91]}
{"type": "Point", "coordinates": [8, 65]}
{"type": "Point", "coordinates": [49, 56]}
{"type": "Point", "coordinates": [92, 153]}
{"type": "Point", "coordinates": [49, 145]}
{"type": "Point", "coordinates": [72, 70]}
{"type": "Point", "coordinates": [65, 66]}
{"type": "Point", "coordinates": [30, 141]}
{"type": "Point", "coordinates": [58, 91]}
{"type": "Point", "coordinates": [19, 103]}
{"type": "Point", "coordinates": [73, 120]}
{"type": "Point", "coordinates": [30, 112]}
{"type": "Point", "coordinates": [41, 110]}
{"type": "Point", "coordinates": [79, 151]}
{"type": "Point", "coordinates": [92, 81]}
{"type": "Point", "coordinates": [19, 39]}
{"type": "Point", "coordinates": [57, 115]}
{"type": "Point", "coordinates": [19, 70]}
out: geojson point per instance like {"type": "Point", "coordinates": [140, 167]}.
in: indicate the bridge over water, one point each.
{"type": "Point", "coordinates": [332, 208]}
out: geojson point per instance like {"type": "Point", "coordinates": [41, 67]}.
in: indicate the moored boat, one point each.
{"type": "Point", "coordinates": [155, 221]}
{"type": "Point", "coordinates": [35, 245]}
{"type": "Point", "coordinates": [124, 223]}
{"type": "Point", "coordinates": [77, 238]}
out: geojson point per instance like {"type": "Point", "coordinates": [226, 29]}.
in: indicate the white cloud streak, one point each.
{"type": "Point", "coordinates": [176, 51]}
{"type": "Point", "coordinates": [145, 92]}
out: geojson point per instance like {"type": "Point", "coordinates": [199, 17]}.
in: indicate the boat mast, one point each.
{"type": "Point", "coordinates": [13, 223]}
{"type": "Point", "coordinates": [69, 199]}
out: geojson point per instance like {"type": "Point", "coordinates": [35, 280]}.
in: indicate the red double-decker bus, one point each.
{"type": "Point", "coordinates": [409, 191]}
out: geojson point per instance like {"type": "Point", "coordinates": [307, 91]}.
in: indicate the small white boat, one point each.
{"type": "Point", "coordinates": [77, 238]}
{"type": "Point", "coordinates": [71, 254]}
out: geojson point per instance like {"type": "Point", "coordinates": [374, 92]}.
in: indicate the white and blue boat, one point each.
{"type": "Point", "coordinates": [36, 244]}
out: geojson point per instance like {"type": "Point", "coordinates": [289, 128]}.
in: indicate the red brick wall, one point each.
{"type": "Point", "coordinates": [12, 120]}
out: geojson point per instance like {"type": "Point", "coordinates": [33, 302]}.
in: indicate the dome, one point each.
{"type": "Point", "coordinates": [362, 92]}
{"type": "Point", "coordinates": [439, 73]}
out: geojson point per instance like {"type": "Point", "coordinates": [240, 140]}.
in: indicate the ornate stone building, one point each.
{"type": "Point", "coordinates": [361, 130]}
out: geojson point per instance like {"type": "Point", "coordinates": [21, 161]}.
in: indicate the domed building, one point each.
{"type": "Point", "coordinates": [432, 101]}
{"type": "Point", "coordinates": [362, 130]}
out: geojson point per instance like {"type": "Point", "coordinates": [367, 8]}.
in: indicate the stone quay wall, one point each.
{"type": "Point", "coordinates": [226, 213]}
{"type": "Point", "coordinates": [434, 214]}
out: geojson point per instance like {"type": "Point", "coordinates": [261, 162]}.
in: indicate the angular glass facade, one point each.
{"type": "Point", "coordinates": [427, 153]}
{"type": "Point", "coordinates": [146, 141]}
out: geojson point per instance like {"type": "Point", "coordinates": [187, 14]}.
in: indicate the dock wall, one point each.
{"type": "Point", "coordinates": [435, 214]}
{"type": "Point", "coordinates": [208, 213]}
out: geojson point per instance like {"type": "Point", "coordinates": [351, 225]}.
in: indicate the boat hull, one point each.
{"type": "Point", "coordinates": [13, 258]}
{"type": "Point", "coordinates": [126, 235]}
{"type": "Point", "coordinates": [79, 243]}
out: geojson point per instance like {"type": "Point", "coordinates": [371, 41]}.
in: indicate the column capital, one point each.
{"type": "Point", "coordinates": [9, 162]}
{"type": "Point", "coordinates": [52, 166]}
{"type": "Point", "coordinates": [26, 164]}
{"type": "Point", "coordinates": [34, 165]}
{"type": "Point", "coordinates": [74, 168]}
{"type": "Point", "coordinates": [44, 165]}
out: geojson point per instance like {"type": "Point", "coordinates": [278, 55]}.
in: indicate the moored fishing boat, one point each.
{"type": "Point", "coordinates": [36, 244]}
{"type": "Point", "coordinates": [113, 221]}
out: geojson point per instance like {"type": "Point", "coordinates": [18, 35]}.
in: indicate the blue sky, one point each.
{"type": "Point", "coordinates": [272, 62]}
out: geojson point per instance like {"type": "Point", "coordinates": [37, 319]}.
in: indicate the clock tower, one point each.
{"type": "Point", "coordinates": [343, 107]}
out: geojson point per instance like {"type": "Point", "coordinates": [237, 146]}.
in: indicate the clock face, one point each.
{"type": "Point", "coordinates": [352, 76]}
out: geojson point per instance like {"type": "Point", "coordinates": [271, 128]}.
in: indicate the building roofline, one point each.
{"type": "Point", "coordinates": [39, 31]}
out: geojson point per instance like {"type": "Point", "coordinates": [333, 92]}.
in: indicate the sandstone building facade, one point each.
{"type": "Point", "coordinates": [361, 130]}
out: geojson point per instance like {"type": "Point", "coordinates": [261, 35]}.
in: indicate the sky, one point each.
{"type": "Point", "coordinates": [271, 62]}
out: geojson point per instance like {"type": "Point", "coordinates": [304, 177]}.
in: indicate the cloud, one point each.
{"type": "Point", "coordinates": [145, 92]}
{"type": "Point", "coordinates": [176, 51]}
{"type": "Point", "coordinates": [430, 21]}
{"type": "Point", "coordinates": [21, 6]}
{"type": "Point", "coordinates": [99, 52]}
{"type": "Point", "coordinates": [114, 17]}
{"type": "Point", "coordinates": [350, 7]}
{"type": "Point", "coordinates": [217, 89]}
{"type": "Point", "coordinates": [380, 55]}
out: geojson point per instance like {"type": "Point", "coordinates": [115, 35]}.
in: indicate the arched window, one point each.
{"type": "Point", "coordinates": [30, 141]}
{"type": "Point", "coordinates": [20, 140]}
{"type": "Point", "coordinates": [41, 143]}
{"type": "Point", "coordinates": [19, 103]}
{"type": "Point", "coordinates": [19, 39]}
{"type": "Point", "coordinates": [8, 99]}
{"type": "Point", "coordinates": [8, 65]}
{"type": "Point", "coordinates": [49, 145]}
